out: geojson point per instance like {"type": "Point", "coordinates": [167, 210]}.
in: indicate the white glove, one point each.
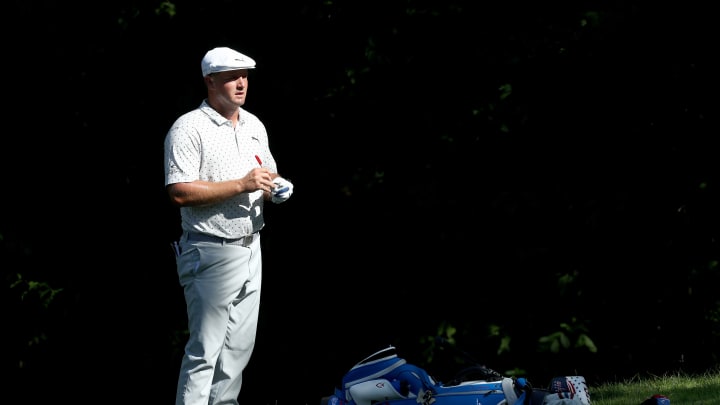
{"type": "Point", "coordinates": [282, 191]}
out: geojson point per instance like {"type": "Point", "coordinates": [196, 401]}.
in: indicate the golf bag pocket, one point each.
{"type": "Point", "coordinates": [373, 391]}
{"type": "Point", "coordinates": [384, 376]}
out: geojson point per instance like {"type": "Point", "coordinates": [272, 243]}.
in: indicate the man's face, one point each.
{"type": "Point", "coordinates": [231, 85]}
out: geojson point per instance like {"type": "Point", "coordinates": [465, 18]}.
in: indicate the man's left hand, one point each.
{"type": "Point", "coordinates": [282, 191]}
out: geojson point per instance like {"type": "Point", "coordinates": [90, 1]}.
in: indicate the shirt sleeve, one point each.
{"type": "Point", "coordinates": [182, 156]}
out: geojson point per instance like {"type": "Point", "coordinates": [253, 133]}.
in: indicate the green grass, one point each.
{"type": "Point", "coordinates": [681, 389]}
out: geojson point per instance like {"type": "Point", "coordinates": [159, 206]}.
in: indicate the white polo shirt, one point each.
{"type": "Point", "coordinates": [203, 145]}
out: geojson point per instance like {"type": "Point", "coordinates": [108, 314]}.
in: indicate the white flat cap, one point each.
{"type": "Point", "coordinates": [222, 59]}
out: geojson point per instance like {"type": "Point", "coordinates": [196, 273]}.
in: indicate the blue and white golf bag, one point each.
{"type": "Point", "coordinates": [386, 379]}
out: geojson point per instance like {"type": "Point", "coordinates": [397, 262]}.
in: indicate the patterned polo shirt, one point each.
{"type": "Point", "coordinates": [203, 145]}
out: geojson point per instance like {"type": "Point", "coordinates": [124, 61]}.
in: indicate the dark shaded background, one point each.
{"type": "Point", "coordinates": [452, 161]}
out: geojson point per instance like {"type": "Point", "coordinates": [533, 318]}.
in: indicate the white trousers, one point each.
{"type": "Point", "coordinates": [222, 292]}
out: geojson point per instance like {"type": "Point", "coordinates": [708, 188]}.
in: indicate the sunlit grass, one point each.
{"type": "Point", "coordinates": [680, 388]}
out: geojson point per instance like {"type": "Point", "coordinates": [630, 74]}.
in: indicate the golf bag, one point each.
{"type": "Point", "coordinates": [386, 379]}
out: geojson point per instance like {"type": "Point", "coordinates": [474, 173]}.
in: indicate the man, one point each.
{"type": "Point", "coordinates": [219, 171]}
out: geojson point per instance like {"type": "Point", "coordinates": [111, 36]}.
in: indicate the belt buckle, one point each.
{"type": "Point", "coordinates": [245, 241]}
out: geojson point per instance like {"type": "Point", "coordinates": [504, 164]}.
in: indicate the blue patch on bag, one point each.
{"type": "Point", "coordinates": [657, 399]}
